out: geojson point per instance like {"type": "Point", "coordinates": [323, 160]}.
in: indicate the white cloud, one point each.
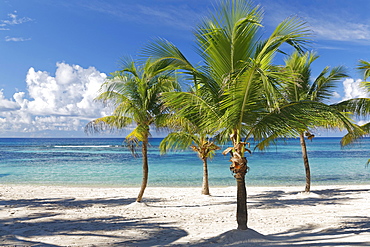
{"type": "Point", "coordinates": [19, 39]}
{"type": "Point", "coordinates": [7, 105]}
{"type": "Point", "coordinates": [336, 95]}
{"type": "Point", "coordinates": [14, 20]}
{"type": "Point", "coordinates": [341, 30]}
{"type": "Point", "coordinates": [353, 89]}
{"type": "Point", "coordinates": [61, 102]}
{"type": "Point", "coordinates": [171, 15]}
{"type": "Point", "coordinates": [327, 21]}
{"type": "Point", "coordinates": [362, 122]}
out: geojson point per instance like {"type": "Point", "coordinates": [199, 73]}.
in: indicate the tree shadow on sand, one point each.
{"type": "Point", "coordinates": [309, 235]}
{"type": "Point", "coordinates": [281, 199]}
{"type": "Point", "coordinates": [17, 231]}
{"type": "Point", "coordinates": [66, 202]}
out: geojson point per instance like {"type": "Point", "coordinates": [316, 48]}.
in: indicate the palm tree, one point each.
{"type": "Point", "coordinates": [202, 145]}
{"type": "Point", "coordinates": [238, 72]}
{"type": "Point", "coordinates": [188, 130]}
{"type": "Point", "coordinates": [134, 91]}
{"type": "Point", "coordinates": [319, 90]}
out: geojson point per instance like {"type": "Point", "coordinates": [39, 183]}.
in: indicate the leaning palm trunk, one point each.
{"type": "Point", "coordinates": [144, 182]}
{"type": "Point", "coordinates": [306, 163]}
{"type": "Point", "coordinates": [205, 185]}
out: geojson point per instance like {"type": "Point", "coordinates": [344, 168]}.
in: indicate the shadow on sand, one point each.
{"type": "Point", "coordinates": [309, 235]}
{"type": "Point", "coordinates": [15, 230]}
{"type": "Point", "coordinates": [280, 199]}
{"type": "Point", "coordinates": [302, 237]}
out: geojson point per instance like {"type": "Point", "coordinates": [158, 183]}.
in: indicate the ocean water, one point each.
{"type": "Point", "coordinates": [106, 162]}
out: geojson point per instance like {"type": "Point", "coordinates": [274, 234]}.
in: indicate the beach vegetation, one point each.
{"type": "Point", "coordinates": [358, 107]}
{"type": "Point", "coordinates": [240, 85]}
{"type": "Point", "coordinates": [134, 93]}
{"type": "Point", "coordinates": [318, 90]}
{"type": "Point", "coordinates": [204, 146]}
{"type": "Point", "coordinates": [187, 129]}
{"type": "Point", "coordinates": [187, 133]}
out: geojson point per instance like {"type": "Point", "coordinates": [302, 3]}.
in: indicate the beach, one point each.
{"type": "Point", "coordinates": [33, 215]}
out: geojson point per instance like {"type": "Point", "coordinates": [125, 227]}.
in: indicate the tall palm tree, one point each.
{"type": "Point", "coordinates": [238, 72]}
{"type": "Point", "coordinates": [318, 90]}
{"type": "Point", "coordinates": [134, 91]}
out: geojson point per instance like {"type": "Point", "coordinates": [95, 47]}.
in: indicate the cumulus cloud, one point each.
{"type": "Point", "coordinates": [61, 102]}
{"type": "Point", "coordinates": [7, 105]}
{"type": "Point", "coordinates": [353, 89]}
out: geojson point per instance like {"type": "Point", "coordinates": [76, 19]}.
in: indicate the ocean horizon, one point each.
{"type": "Point", "coordinates": [107, 162]}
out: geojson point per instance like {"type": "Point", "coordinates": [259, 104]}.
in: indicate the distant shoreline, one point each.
{"type": "Point", "coordinates": [313, 186]}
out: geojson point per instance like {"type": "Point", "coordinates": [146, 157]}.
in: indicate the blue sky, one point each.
{"type": "Point", "coordinates": [56, 54]}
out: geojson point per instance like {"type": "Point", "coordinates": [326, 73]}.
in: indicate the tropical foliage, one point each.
{"type": "Point", "coordinates": [134, 92]}
{"type": "Point", "coordinates": [359, 107]}
{"type": "Point", "coordinates": [240, 85]}
{"type": "Point", "coordinates": [237, 92]}
{"type": "Point", "coordinates": [319, 90]}
{"type": "Point", "coordinates": [199, 143]}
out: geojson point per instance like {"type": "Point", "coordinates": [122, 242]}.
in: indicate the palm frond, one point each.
{"type": "Point", "coordinates": [358, 106]}
{"type": "Point", "coordinates": [295, 118]}
{"type": "Point", "coordinates": [140, 133]}
{"type": "Point", "coordinates": [324, 85]}
{"type": "Point", "coordinates": [227, 38]}
{"type": "Point", "coordinates": [176, 141]}
{"type": "Point", "coordinates": [292, 31]}
{"type": "Point", "coordinates": [193, 107]}
{"type": "Point", "coordinates": [166, 52]}
{"type": "Point", "coordinates": [109, 123]}
{"type": "Point", "coordinates": [364, 67]}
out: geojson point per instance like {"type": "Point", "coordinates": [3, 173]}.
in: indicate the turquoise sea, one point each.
{"type": "Point", "coordinates": [105, 162]}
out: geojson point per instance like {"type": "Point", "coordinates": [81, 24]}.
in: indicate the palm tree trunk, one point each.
{"type": "Point", "coordinates": [205, 185]}
{"type": "Point", "coordinates": [241, 201]}
{"type": "Point", "coordinates": [144, 151]}
{"type": "Point", "coordinates": [306, 163]}
{"type": "Point", "coordinates": [239, 168]}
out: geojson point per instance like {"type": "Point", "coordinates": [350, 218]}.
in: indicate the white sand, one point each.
{"type": "Point", "coordinates": [278, 216]}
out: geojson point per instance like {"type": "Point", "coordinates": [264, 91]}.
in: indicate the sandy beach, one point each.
{"type": "Point", "coordinates": [278, 216]}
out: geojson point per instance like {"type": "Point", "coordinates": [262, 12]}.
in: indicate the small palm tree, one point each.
{"type": "Point", "coordinates": [189, 135]}
{"type": "Point", "coordinates": [203, 146]}
{"type": "Point", "coordinates": [135, 93]}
